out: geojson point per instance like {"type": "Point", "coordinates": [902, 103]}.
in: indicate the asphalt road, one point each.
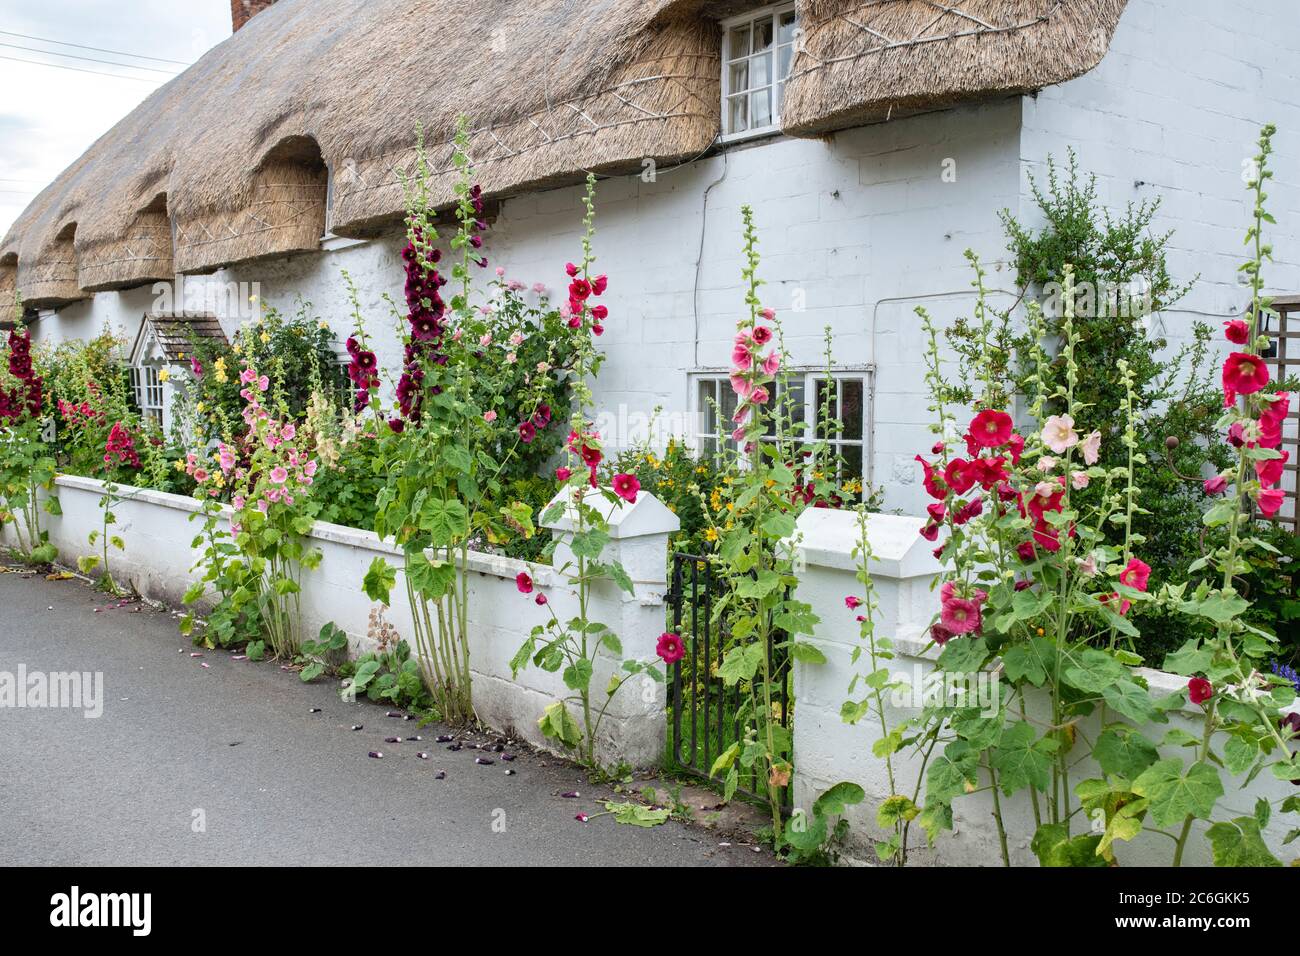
{"type": "Point", "coordinates": [234, 747]}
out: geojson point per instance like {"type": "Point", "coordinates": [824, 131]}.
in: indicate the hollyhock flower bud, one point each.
{"type": "Point", "coordinates": [940, 634]}
{"type": "Point", "coordinates": [563, 474]}
{"type": "Point", "coordinates": [1236, 331]}
{"type": "Point", "coordinates": [524, 582]}
{"type": "Point", "coordinates": [852, 602]}
{"type": "Point", "coordinates": [1216, 485]}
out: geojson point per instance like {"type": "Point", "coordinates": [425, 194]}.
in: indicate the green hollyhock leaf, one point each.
{"type": "Point", "coordinates": [896, 809]}
{"type": "Point", "coordinates": [834, 800]}
{"type": "Point", "coordinates": [1238, 754]}
{"type": "Point", "coordinates": [1238, 843]}
{"type": "Point", "coordinates": [963, 655]}
{"type": "Point", "coordinates": [637, 815]}
{"type": "Point", "coordinates": [1132, 701]}
{"type": "Point", "coordinates": [379, 580]}
{"type": "Point", "coordinates": [953, 773]}
{"type": "Point", "coordinates": [558, 724]}
{"type": "Point", "coordinates": [1031, 661]}
{"type": "Point", "coordinates": [1054, 846]}
{"type": "Point", "coordinates": [1094, 671]}
{"type": "Point", "coordinates": [1122, 751]}
{"type": "Point", "coordinates": [1022, 760]}
{"type": "Point", "coordinates": [1175, 794]}
{"type": "Point", "coordinates": [1189, 659]}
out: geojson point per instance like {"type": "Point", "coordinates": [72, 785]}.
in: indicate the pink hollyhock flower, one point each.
{"type": "Point", "coordinates": [1079, 480]}
{"type": "Point", "coordinates": [1216, 485]}
{"type": "Point", "coordinates": [1270, 471]}
{"type": "Point", "coordinates": [309, 469]}
{"type": "Point", "coordinates": [990, 428]}
{"type": "Point", "coordinates": [741, 386]}
{"type": "Point", "coordinates": [247, 377]}
{"type": "Point", "coordinates": [1244, 374]}
{"type": "Point", "coordinates": [670, 648]}
{"type": "Point", "coordinates": [524, 583]}
{"type": "Point", "coordinates": [540, 600]}
{"type": "Point", "coordinates": [741, 359]}
{"type": "Point", "coordinates": [626, 486]}
{"type": "Point", "coordinates": [1059, 434]}
{"type": "Point", "coordinates": [762, 334]}
{"type": "Point", "coordinates": [961, 616]}
{"type": "Point", "coordinates": [263, 383]}
{"type": "Point", "coordinates": [199, 474]}
{"type": "Point", "coordinates": [1135, 574]}
{"type": "Point", "coordinates": [1088, 565]}
{"type": "Point", "coordinates": [239, 502]}
{"type": "Point", "coordinates": [289, 432]}
{"type": "Point", "coordinates": [1270, 500]}
{"type": "Point", "coordinates": [1109, 599]}
{"type": "Point", "coordinates": [279, 475]}
{"type": "Point", "coordinates": [1091, 447]}
{"type": "Point", "coordinates": [852, 603]}
{"type": "Point", "coordinates": [940, 634]}
{"type": "Point", "coordinates": [539, 287]}
{"type": "Point", "coordinates": [563, 474]}
{"type": "Point", "coordinates": [1236, 331]}
{"type": "Point", "coordinates": [768, 314]}
{"type": "Point", "coordinates": [490, 416]}
{"type": "Point", "coordinates": [517, 338]}
{"type": "Point", "coordinates": [226, 459]}
{"type": "Point", "coordinates": [1045, 464]}
{"type": "Point", "coordinates": [738, 434]}
{"type": "Point", "coordinates": [772, 364]}
{"type": "Point", "coordinates": [759, 396]}
{"type": "Point", "coordinates": [263, 506]}
{"type": "Point", "coordinates": [1199, 690]}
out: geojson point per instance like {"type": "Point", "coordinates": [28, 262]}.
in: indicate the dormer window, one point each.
{"type": "Point", "coordinates": [757, 50]}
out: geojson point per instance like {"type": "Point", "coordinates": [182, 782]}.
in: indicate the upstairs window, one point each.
{"type": "Point", "coordinates": [757, 49]}
{"type": "Point", "coordinates": [148, 388]}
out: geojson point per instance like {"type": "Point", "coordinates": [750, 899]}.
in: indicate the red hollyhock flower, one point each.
{"type": "Point", "coordinates": [762, 334]}
{"type": "Point", "coordinates": [599, 313]}
{"type": "Point", "coordinates": [600, 284]}
{"type": "Point", "coordinates": [524, 583]}
{"type": "Point", "coordinates": [540, 599]}
{"type": "Point", "coordinates": [670, 648]}
{"type": "Point", "coordinates": [1017, 445]}
{"type": "Point", "coordinates": [960, 475]}
{"type": "Point", "coordinates": [590, 456]}
{"type": "Point", "coordinates": [563, 474]}
{"type": "Point", "coordinates": [1025, 551]}
{"type": "Point", "coordinates": [940, 634]}
{"type": "Point", "coordinates": [1236, 331]}
{"type": "Point", "coordinates": [973, 509]}
{"type": "Point", "coordinates": [1244, 374]}
{"type": "Point", "coordinates": [571, 269]}
{"type": "Point", "coordinates": [990, 428]}
{"type": "Point", "coordinates": [579, 289]}
{"type": "Point", "coordinates": [1109, 599]}
{"type": "Point", "coordinates": [1199, 690]}
{"type": "Point", "coordinates": [1270, 500]}
{"type": "Point", "coordinates": [930, 531]}
{"type": "Point", "coordinates": [1216, 485]}
{"type": "Point", "coordinates": [1135, 574]}
{"type": "Point", "coordinates": [527, 432]}
{"type": "Point", "coordinates": [626, 486]}
{"type": "Point", "coordinates": [852, 603]}
{"type": "Point", "coordinates": [933, 488]}
{"type": "Point", "coordinates": [1270, 472]}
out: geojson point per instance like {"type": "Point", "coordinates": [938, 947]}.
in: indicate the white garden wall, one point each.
{"type": "Point", "coordinates": [157, 562]}
{"type": "Point", "coordinates": [827, 750]}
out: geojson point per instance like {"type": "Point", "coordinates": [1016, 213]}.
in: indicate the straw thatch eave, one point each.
{"type": "Point", "coordinates": [865, 61]}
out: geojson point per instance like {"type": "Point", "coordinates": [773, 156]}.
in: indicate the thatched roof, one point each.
{"type": "Point", "coordinates": [304, 118]}
{"type": "Point", "coordinates": [870, 60]}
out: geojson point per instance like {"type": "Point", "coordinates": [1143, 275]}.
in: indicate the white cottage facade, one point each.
{"type": "Point", "coordinates": [857, 227]}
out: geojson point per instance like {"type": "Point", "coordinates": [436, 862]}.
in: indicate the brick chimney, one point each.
{"type": "Point", "coordinates": [241, 11]}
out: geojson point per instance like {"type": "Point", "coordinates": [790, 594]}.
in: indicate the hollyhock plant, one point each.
{"type": "Point", "coordinates": [576, 642]}
{"type": "Point", "coordinates": [27, 466]}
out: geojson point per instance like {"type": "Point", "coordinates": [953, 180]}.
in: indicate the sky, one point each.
{"type": "Point", "coordinates": [50, 115]}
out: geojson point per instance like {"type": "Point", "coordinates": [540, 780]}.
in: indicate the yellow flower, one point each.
{"type": "Point", "coordinates": [199, 407]}
{"type": "Point", "coordinates": [701, 470]}
{"type": "Point", "coordinates": [164, 375]}
{"type": "Point", "coordinates": [179, 465]}
{"type": "Point", "coordinates": [710, 534]}
{"type": "Point", "coordinates": [265, 337]}
{"type": "Point", "coordinates": [322, 324]}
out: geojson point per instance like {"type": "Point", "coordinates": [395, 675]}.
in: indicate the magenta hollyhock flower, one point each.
{"type": "Point", "coordinates": [990, 428]}
{"type": "Point", "coordinates": [1270, 500]}
{"type": "Point", "coordinates": [940, 634]}
{"type": "Point", "coordinates": [540, 600]}
{"type": "Point", "coordinates": [741, 386]}
{"type": "Point", "coordinates": [527, 432]}
{"type": "Point", "coordinates": [600, 284]}
{"type": "Point", "coordinates": [524, 583]}
{"type": "Point", "coordinates": [626, 486]}
{"type": "Point", "coordinates": [1199, 690]}
{"type": "Point", "coordinates": [1270, 472]}
{"type": "Point", "coordinates": [1216, 485]}
{"type": "Point", "coordinates": [961, 616]}
{"type": "Point", "coordinates": [1135, 574]}
{"type": "Point", "coordinates": [670, 648]}
{"type": "Point", "coordinates": [1236, 331]}
{"type": "Point", "coordinates": [1244, 374]}
{"type": "Point", "coordinates": [852, 603]}
{"type": "Point", "coordinates": [762, 334]}
{"type": "Point", "coordinates": [563, 474]}
{"type": "Point", "coordinates": [741, 358]}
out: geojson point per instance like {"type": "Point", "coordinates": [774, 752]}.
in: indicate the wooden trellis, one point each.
{"type": "Point", "coordinates": [1284, 359]}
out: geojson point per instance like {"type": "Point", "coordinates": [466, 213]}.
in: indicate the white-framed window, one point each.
{"type": "Point", "coordinates": [757, 50]}
{"type": "Point", "coordinates": [811, 397]}
{"type": "Point", "coordinates": [148, 389]}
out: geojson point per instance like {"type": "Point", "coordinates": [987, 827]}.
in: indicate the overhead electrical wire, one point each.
{"type": "Point", "coordinates": [88, 59]}
{"type": "Point", "coordinates": [77, 69]}
{"type": "Point", "coordinates": [136, 56]}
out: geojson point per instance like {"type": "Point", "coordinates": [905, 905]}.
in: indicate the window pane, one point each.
{"type": "Point", "coordinates": [784, 55]}
{"type": "Point", "coordinates": [738, 113]}
{"type": "Point", "coordinates": [738, 77]}
{"type": "Point", "coordinates": [761, 108]}
{"type": "Point", "coordinates": [760, 68]}
{"type": "Point", "coordinates": [786, 34]}
{"type": "Point", "coordinates": [738, 45]}
{"type": "Point", "coordinates": [827, 407]}
{"type": "Point", "coordinates": [851, 394]}
{"type": "Point", "coordinates": [762, 34]}
{"type": "Point", "coordinates": [852, 455]}
{"type": "Point", "coordinates": [727, 401]}
{"type": "Point", "coordinates": [708, 418]}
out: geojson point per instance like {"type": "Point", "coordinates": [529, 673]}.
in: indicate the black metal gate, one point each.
{"type": "Point", "coordinates": [704, 716]}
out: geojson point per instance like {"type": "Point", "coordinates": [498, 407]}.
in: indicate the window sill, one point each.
{"type": "Point", "coordinates": [763, 132]}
